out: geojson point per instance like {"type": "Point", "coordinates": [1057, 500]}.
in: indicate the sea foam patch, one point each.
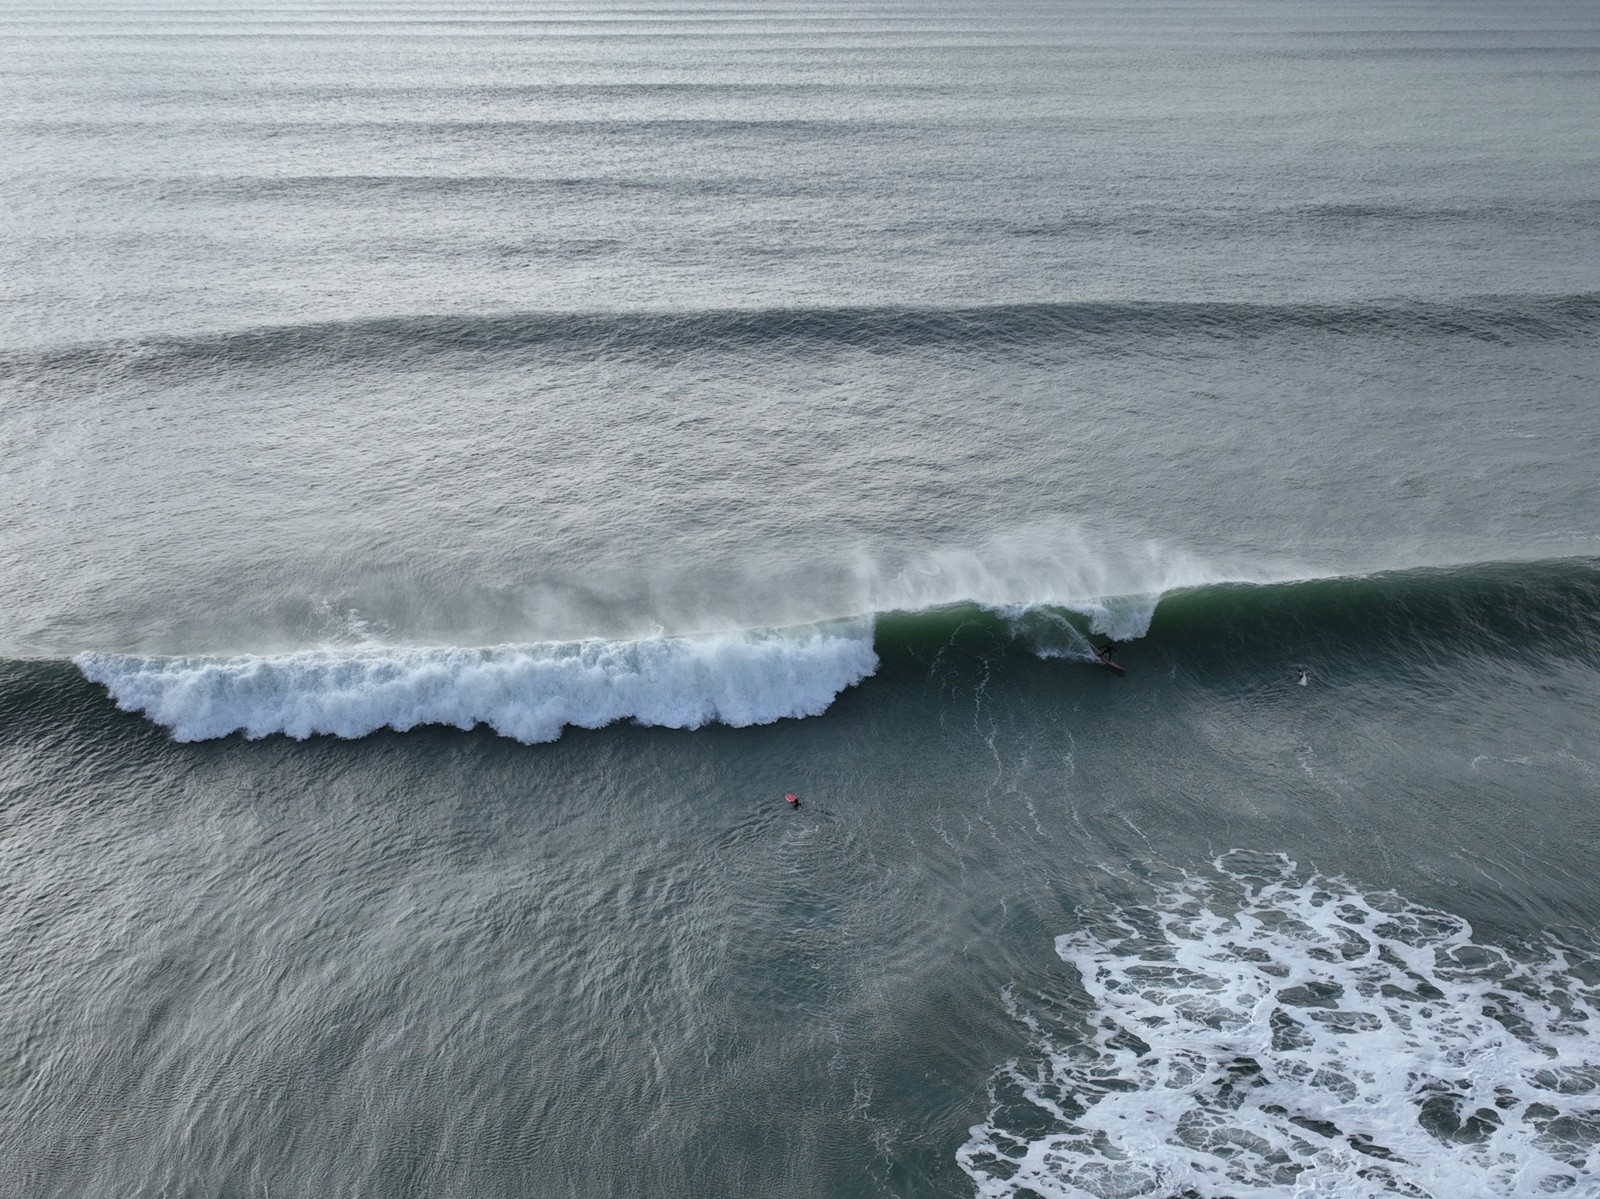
{"type": "Point", "coordinates": [1254, 1037]}
{"type": "Point", "coordinates": [529, 692]}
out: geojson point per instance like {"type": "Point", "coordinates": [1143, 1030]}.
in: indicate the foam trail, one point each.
{"type": "Point", "coordinates": [1049, 633]}
{"type": "Point", "coordinates": [1253, 1037]}
{"type": "Point", "coordinates": [525, 692]}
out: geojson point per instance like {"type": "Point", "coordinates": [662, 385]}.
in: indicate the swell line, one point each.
{"type": "Point", "coordinates": [1499, 319]}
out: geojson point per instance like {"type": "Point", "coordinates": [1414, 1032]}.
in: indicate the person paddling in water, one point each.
{"type": "Point", "coordinates": [794, 800]}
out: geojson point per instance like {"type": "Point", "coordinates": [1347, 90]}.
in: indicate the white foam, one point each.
{"type": "Point", "coordinates": [1259, 1039]}
{"type": "Point", "coordinates": [526, 692]}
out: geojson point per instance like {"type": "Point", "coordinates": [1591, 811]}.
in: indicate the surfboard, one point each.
{"type": "Point", "coordinates": [1116, 666]}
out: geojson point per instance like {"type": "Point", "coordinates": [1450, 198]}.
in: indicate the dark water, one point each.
{"type": "Point", "coordinates": [465, 465]}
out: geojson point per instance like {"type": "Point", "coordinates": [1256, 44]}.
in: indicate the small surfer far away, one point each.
{"type": "Point", "coordinates": [794, 800]}
{"type": "Point", "coordinates": [1107, 654]}
{"type": "Point", "coordinates": [1303, 678]}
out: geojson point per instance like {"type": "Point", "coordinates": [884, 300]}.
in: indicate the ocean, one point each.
{"type": "Point", "coordinates": [465, 464]}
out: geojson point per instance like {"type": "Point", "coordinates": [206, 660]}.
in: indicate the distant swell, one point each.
{"type": "Point", "coordinates": [529, 693]}
{"type": "Point", "coordinates": [1503, 319]}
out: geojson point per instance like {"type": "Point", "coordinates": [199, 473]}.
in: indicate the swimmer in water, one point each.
{"type": "Point", "coordinates": [794, 800]}
{"type": "Point", "coordinates": [1303, 678]}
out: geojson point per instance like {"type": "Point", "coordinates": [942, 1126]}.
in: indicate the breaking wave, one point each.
{"type": "Point", "coordinates": [530, 692]}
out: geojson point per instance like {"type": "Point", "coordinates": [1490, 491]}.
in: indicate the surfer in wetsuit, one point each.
{"type": "Point", "coordinates": [1106, 652]}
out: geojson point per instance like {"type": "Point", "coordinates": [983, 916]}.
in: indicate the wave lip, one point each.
{"type": "Point", "coordinates": [529, 693]}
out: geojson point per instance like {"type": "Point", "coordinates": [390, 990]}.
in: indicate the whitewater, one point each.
{"type": "Point", "coordinates": [528, 693]}
{"type": "Point", "coordinates": [1264, 1033]}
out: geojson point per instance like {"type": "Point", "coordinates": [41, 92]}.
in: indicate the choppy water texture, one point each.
{"type": "Point", "coordinates": [464, 465]}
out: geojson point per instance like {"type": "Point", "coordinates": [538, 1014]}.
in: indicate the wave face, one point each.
{"type": "Point", "coordinates": [1252, 1035]}
{"type": "Point", "coordinates": [529, 693]}
{"type": "Point", "coordinates": [1409, 618]}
